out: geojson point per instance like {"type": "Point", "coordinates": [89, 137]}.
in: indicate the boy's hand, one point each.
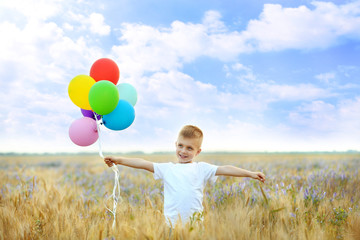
{"type": "Point", "coordinates": [110, 161]}
{"type": "Point", "coordinates": [258, 176]}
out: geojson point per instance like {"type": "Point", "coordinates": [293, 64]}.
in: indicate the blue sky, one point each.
{"type": "Point", "coordinates": [254, 75]}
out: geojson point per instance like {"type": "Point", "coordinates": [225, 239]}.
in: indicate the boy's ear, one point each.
{"type": "Point", "coordinates": [198, 152]}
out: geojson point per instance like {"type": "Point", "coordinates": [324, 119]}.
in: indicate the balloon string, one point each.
{"type": "Point", "coordinates": [116, 190]}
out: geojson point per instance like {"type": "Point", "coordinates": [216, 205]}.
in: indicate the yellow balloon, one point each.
{"type": "Point", "coordinates": [78, 90]}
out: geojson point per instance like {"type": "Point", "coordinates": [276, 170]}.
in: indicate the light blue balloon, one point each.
{"type": "Point", "coordinates": [127, 92]}
{"type": "Point", "coordinates": [121, 118]}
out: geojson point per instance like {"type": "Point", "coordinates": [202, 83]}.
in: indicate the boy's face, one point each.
{"type": "Point", "coordinates": [187, 149]}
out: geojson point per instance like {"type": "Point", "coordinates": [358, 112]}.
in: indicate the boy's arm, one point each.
{"type": "Point", "coordinates": [229, 170]}
{"type": "Point", "coordinates": [130, 162]}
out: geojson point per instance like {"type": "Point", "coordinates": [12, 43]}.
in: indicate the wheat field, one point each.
{"type": "Point", "coordinates": [306, 196]}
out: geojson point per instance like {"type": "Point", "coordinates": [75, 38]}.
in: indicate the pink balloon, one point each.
{"type": "Point", "coordinates": [83, 131]}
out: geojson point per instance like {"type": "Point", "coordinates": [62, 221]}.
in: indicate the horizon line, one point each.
{"type": "Point", "coordinates": [172, 152]}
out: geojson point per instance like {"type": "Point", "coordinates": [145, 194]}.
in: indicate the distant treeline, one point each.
{"type": "Point", "coordinates": [169, 153]}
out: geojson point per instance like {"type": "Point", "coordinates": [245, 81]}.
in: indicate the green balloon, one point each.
{"type": "Point", "coordinates": [103, 97]}
{"type": "Point", "coordinates": [128, 93]}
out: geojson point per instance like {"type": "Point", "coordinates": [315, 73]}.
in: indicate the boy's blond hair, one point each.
{"type": "Point", "coordinates": [190, 131]}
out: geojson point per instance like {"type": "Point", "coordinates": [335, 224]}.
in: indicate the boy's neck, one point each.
{"type": "Point", "coordinates": [185, 162]}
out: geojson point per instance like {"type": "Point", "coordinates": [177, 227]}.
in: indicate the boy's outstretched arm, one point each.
{"type": "Point", "coordinates": [130, 162]}
{"type": "Point", "coordinates": [229, 170]}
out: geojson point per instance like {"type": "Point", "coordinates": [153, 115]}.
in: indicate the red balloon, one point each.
{"type": "Point", "coordinates": [105, 69]}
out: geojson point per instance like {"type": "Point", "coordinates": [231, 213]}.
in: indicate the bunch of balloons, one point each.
{"type": "Point", "coordinates": [100, 99]}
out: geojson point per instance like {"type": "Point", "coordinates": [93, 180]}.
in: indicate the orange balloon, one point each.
{"type": "Point", "coordinates": [105, 69]}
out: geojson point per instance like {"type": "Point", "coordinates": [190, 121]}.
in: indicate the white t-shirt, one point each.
{"type": "Point", "coordinates": [183, 187]}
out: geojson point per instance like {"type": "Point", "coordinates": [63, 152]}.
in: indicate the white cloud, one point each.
{"type": "Point", "coordinates": [37, 62]}
{"type": "Point", "coordinates": [349, 115]}
{"type": "Point", "coordinates": [339, 118]}
{"type": "Point", "coordinates": [297, 92]}
{"type": "Point", "coordinates": [242, 73]}
{"type": "Point", "coordinates": [213, 23]}
{"type": "Point", "coordinates": [238, 135]}
{"type": "Point", "coordinates": [145, 48]}
{"type": "Point", "coordinates": [33, 9]}
{"type": "Point", "coordinates": [270, 91]}
{"type": "Point", "coordinates": [302, 28]}
{"type": "Point", "coordinates": [97, 24]}
{"type": "Point", "coordinates": [40, 52]}
{"type": "Point", "coordinates": [320, 126]}
{"type": "Point", "coordinates": [94, 22]}
{"type": "Point", "coordinates": [341, 78]}
{"type": "Point", "coordinates": [174, 94]}
{"type": "Point", "coordinates": [315, 115]}
{"type": "Point", "coordinates": [348, 71]}
{"type": "Point", "coordinates": [68, 27]}
{"type": "Point", "coordinates": [239, 66]}
{"type": "Point", "coordinates": [325, 77]}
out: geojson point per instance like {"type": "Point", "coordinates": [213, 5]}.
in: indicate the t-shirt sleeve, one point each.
{"type": "Point", "coordinates": [160, 169]}
{"type": "Point", "coordinates": [208, 171]}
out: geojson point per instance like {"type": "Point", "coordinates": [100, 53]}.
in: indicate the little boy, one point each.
{"type": "Point", "coordinates": [184, 181]}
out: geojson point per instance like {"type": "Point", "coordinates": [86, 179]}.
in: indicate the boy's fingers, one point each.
{"type": "Point", "coordinates": [108, 161]}
{"type": "Point", "coordinates": [261, 177]}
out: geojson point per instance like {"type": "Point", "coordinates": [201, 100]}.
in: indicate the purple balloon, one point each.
{"type": "Point", "coordinates": [83, 131]}
{"type": "Point", "coordinates": [90, 114]}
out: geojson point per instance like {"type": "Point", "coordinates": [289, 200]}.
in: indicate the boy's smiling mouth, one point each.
{"type": "Point", "coordinates": [183, 156]}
